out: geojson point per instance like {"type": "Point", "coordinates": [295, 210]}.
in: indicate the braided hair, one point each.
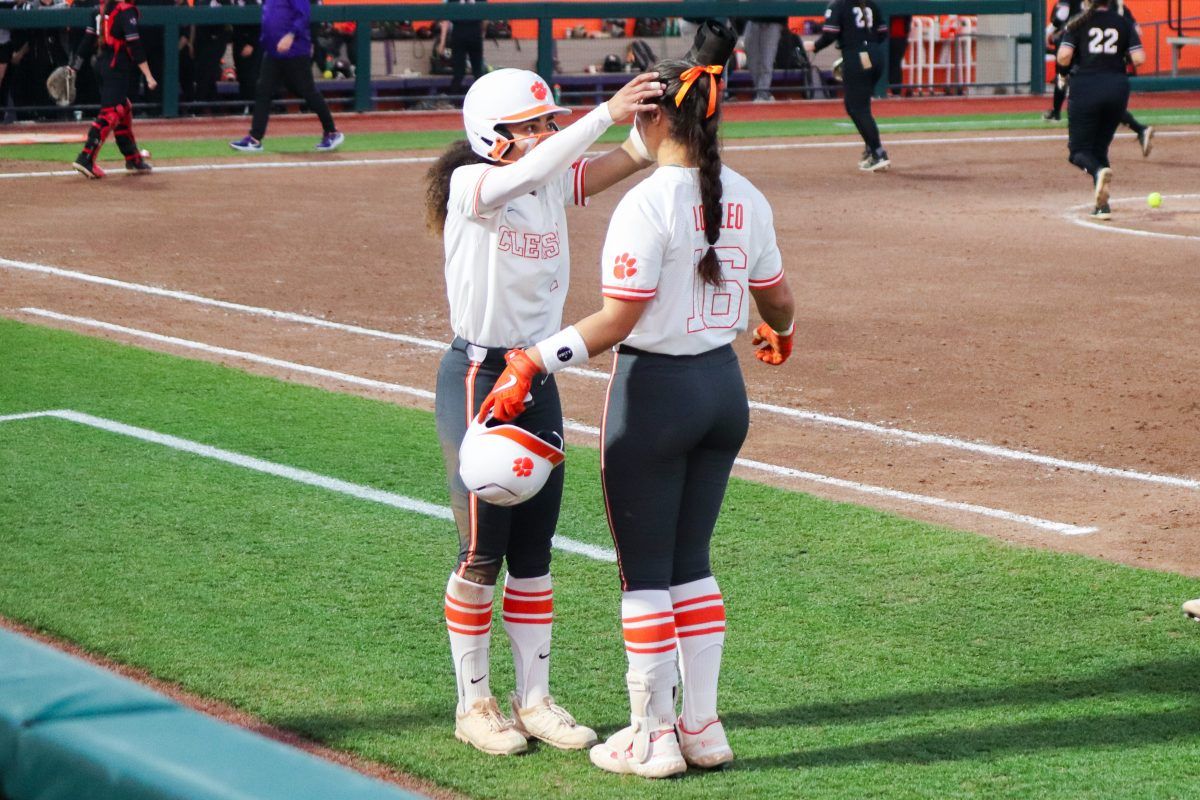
{"type": "Point", "coordinates": [690, 126]}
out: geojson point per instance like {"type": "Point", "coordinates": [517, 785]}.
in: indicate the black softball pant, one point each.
{"type": "Point", "coordinates": [673, 426]}
{"type": "Point", "coordinates": [859, 88]}
{"type": "Point", "coordinates": [296, 75]}
{"type": "Point", "coordinates": [460, 51]}
{"type": "Point", "coordinates": [1097, 104]}
{"type": "Point", "coordinates": [490, 535]}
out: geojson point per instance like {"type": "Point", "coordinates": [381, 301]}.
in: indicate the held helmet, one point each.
{"type": "Point", "coordinates": [506, 465]}
{"type": "Point", "coordinates": [498, 99]}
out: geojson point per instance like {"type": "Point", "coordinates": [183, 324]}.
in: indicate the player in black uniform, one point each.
{"type": "Point", "coordinates": [1104, 39]}
{"type": "Point", "coordinates": [1065, 10]}
{"type": "Point", "coordinates": [861, 32]}
{"type": "Point", "coordinates": [120, 61]}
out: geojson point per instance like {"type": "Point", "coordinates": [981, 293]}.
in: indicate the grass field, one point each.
{"type": "Point", "coordinates": [424, 140]}
{"type": "Point", "coordinates": [868, 656]}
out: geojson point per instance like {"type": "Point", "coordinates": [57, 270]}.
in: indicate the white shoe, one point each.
{"type": "Point", "coordinates": [1146, 140]}
{"type": "Point", "coordinates": [1192, 609]}
{"type": "Point", "coordinates": [551, 723]}
{"type": "Point", "coordinates": [1103, 179]}
{"type": "Point", "coordinates": [484, 727]}
{"type": "Point", "coordinates": [641, 749]}
{"type": "Point", "coordinates": [707, 748]}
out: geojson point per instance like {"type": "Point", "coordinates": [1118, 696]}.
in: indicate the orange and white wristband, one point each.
{"type": "Point", "coordinates": [564, 349]}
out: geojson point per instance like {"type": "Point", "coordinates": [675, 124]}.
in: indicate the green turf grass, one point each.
{"type": "Point", "coordinates": [172, 149]}
{"type": "Point", "coordinates": [868, 656]}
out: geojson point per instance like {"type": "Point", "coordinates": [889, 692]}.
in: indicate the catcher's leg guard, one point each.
{"type": "Point", "coordinates": [123, 134]}
{"type": "Point", "coordinates": [108, 118]}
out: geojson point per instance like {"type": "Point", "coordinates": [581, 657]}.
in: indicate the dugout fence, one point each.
{"type": "Point", "coordinates": [955, 46]}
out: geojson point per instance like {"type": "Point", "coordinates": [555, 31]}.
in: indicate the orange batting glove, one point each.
{"type": "Point", "coordinates": [506, 400]}
{"type": "Point", "coordinates": [772, 347]}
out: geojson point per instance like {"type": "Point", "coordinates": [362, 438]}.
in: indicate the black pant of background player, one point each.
{"type": "Point", "coordinates": [1097, 103]}
{"type": "Point", "coordinates": [296, 75]}
{"type": "Point", "coordinates": [859, 86]}
{"type": "Point", "coordinates": [462, 48]}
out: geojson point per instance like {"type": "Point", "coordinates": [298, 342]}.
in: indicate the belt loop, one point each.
{"type": "Point", "coordinates": [476, 353]}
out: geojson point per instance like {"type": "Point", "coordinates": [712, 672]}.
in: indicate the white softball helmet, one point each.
{"type": "Point", "coordinates": [506, 465]}
{"type": "Point", "coordinates": [501, 97]}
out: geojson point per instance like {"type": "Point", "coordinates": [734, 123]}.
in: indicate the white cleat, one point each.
{"type": "Point", "coordinates": [637, 750]}
{"type": "Point", "coordinates": [551, 723]}
{"type": "Point", "coordinates": [1103, 179]}
{"type": "Point", "coordinates": [707, 748]}
{"type": "Point", "coordinates": [1146, 140]}
{"type": "Point", "coordinates": [1192, 609]}
{"type": "Point", "coordinates": [484, 727]}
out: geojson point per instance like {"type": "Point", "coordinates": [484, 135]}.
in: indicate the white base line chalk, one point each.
{"type": "Point", "coordinates": [983, 448]}
{"type": "Point", "coordinates": [1057, 527]}
{"type": "Point", "coordinates": [291, 473]}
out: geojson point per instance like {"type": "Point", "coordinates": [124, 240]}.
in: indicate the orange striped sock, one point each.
{"type": "Point", "coordinates": [528, 618]}
{"type": "Point", "coordinates": [648, 624]}
{"type": "Point", "coordinates": [469, 622]}
{"type": "Point", "coordinates": [700, 628]}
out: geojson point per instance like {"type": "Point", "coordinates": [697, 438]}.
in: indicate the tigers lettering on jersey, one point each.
{"type": "Point", "coordinates": [528, 245]}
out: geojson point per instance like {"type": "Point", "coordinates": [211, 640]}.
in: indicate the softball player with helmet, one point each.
{"type": "Point", "coordinates": [686, 250]}
{"type": "Point", "coordinates": [1105, 39]}
{"type": "Point", "coordinates": [498, 200]}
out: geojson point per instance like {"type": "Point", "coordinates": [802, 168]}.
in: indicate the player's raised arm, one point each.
{"type": "Point", "coordinates": [549, 152]}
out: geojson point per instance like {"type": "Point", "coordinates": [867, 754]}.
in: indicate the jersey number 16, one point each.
{"type": "Point", "coordinates": [718, 306]}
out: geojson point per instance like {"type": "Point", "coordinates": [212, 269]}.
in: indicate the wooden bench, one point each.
{"type": "Point", "coordinates": [1177, 44]}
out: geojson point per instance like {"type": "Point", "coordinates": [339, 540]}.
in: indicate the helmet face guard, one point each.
{"type": "Point", "coordinates": [500, 99]}
{"type": "Point", "coordinates": [506, 465]}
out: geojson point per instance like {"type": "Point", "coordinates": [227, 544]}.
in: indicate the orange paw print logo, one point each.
{"type": "Point", "coordinates": [539, 90]}
{"type": "Point", "coordinates": [624, 268]}
{"type": "Point", "coordinates": [523, 467]}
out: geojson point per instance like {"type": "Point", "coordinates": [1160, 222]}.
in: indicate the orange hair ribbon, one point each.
{"type": "Point", "coordinates": [689, 76]}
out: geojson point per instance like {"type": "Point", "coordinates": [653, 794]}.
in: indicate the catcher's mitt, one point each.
{"type": "Point", "coordinates": [61, 86]}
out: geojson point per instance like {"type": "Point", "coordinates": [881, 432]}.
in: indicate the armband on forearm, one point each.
{"type": "Point", "coordinates": [564, 349]}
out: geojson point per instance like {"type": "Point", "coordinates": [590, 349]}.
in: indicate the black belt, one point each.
{"type": "Point", "coordinates": [491, 355]}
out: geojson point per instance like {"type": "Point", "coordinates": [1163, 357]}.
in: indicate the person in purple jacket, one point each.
{"type": "Point", "coordinates": [287, 51]}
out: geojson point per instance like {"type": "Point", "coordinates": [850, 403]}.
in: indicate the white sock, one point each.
{"type": "Point", "coordinates": [528, 618]}
{"type": "Point", "coordinates": [648, 624]}
{"type": "Point", "coordinates": [700, 628]}
{"type": "Point", "coordinates": [469, 622]}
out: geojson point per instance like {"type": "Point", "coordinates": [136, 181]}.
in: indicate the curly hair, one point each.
{"type": "Point", "coordinates": [437, 180]}
{"type": "Point", "coordinates": [690, 126]}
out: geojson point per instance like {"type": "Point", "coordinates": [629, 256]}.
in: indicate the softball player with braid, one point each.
{"type": "Point", "coordinates": [498, 200]}
{"type": "Point", "coordinates": [686, 250]}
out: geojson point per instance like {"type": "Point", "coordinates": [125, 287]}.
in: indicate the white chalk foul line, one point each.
{"type": "Point", "coordinates": [291, 473]}
{"type": "Point", "coordinates": [355, 162]}
{"type": "Point", "coordinates": [983, 448]}
{"type": "Point", "coordinates": [364, 162]}
{"type": "Point", "coordinates": [1057, 527]}
{"type": "Point", "coordinates": [1074, 215]}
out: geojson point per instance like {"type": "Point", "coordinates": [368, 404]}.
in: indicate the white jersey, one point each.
{"type": "Point", "coordinates": [656, 239]}
{"type": "Point", "coordinates": [507, 255]}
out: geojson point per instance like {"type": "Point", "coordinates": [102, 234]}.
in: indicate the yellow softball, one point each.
{"type": "Point", "coordinates": [1154, 200]}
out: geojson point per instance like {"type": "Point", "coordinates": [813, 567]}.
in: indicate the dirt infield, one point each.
{"type": "Point", "coordinates": [955, 300]}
